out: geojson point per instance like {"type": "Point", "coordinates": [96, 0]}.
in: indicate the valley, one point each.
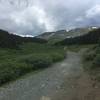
{"type": "Point", "coordinates": [57, 71]}
{"type": "Point", "coordinates": [49, 49]}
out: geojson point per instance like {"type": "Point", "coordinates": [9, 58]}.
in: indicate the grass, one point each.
{"type": "Point", "coordinates": [91, 60]}
{"type": "Point", "coordinates": [77, 48]}
{"type": "Point", "coordinates": [30, 57]}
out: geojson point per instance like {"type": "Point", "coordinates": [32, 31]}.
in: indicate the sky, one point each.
{"type": "Point", "coordinates": [33, 17]}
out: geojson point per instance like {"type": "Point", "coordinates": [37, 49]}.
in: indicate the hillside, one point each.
{"type": "Point", "coordinates": [91, 37]}
{"type": "Point", "coordinates": [53, 35]}
{"type": "Point", "coordinates": [57, 36]}
{"type": "Point", "coordinates": [10, 40]}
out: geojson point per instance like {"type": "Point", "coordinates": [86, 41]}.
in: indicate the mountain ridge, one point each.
{"type": "Point", "coordinates": [92, 37]}
{"type": "Point", "coordinates": [60, 35]}
{"type": "Point", "coordinates": [9, 40]}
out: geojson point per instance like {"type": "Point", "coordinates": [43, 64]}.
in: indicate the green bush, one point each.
{"type": "Point", "coordinates": [12, 70]}
{"type": "Point", "coordinates": [57, 57]}
{"type": "Point", "coordinates": [92, 62]}
{"type": "Point", "coordinates": [30, 57]}
{"type": "Point", "coordinates": [37, 61]}
{"type": "Point", "coordinates": [89, 56]}
{"type": "Point", "coordinates": [96, 62]}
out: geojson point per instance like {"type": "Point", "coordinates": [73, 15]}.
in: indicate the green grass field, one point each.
{"type": "Point", "coordinates": [29, 57]}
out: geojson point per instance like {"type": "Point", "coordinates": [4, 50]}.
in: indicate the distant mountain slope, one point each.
{"type": "Point", "coordinates": [9, 40]}
{"type": "Point", "coordinates": [50, 35]}
{"type": "Point", "coordinates": [57, 36]}
{"type": "Point", "coordinates": [79, 31]}
{"type": "Point", "coordinates": [91, 37]}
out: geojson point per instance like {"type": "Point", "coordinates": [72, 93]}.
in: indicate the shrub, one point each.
{"type": "Point", "coordinates": [30, 57]}
{"type": "Point", "coordinates": [37, 61]}
{"type": "Point", "coordinates": [57, 57]}
{"type": "Point", "coordinates": [89, 56]}
{"type": "Point", "coordinates": [96, 62]}
{"type": "Point", "coordinates": [12, 70]}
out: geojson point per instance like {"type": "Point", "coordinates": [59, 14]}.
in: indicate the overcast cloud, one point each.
{"type": "Point", "coordinates": [37, 16]}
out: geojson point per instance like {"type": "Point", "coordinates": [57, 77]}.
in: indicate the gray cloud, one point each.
{"type": "Point", "coordinates": [91, 17]}
{"type": "Point", "coordinates": [36, 16]}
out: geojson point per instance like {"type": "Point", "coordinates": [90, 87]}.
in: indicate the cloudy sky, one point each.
{"type": "Point", "coordinates": [37, 16]}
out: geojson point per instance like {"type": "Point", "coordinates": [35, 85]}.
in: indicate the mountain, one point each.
{"type": "Point", "coordinates": [91, 37]}
{"type": "Point", "coordinates": [79, 31]}
{"type": "Point", "coordinates": [8, 40]}
{"type": "Point", "coordinates": [53, 37]}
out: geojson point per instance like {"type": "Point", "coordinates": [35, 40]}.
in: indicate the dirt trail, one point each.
{"type": "Point", "coordinates": [63, 81]}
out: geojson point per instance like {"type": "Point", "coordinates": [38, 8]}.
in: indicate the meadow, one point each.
{"type": "Point", "coordinates": [27, 58]}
